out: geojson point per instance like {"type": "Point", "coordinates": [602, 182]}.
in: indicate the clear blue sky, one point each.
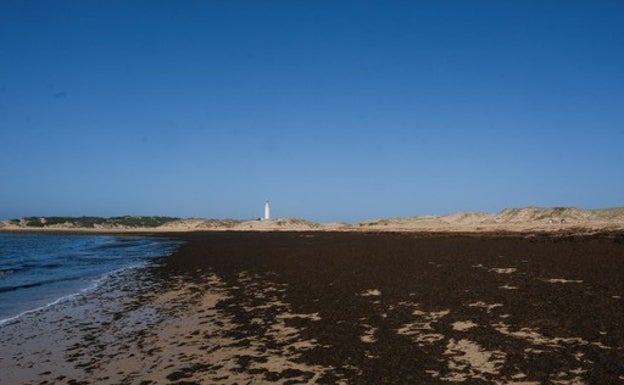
{"type": "Point", "coordinates": [333, 110]}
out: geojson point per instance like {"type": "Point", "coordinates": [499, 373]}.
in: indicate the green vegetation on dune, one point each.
{"type": "Point", "coordinates": [91, 222]}
{"type": "Point", "coordinates": [34, 222]}
{"type": "Point", "coordinates": [295, 221]}
{"type": "Point", "coordinates": [142, 221]}
{"type": "Point", "coordinates": [228, 222]}
{"type": "Point", "coordinates": [127, 221]}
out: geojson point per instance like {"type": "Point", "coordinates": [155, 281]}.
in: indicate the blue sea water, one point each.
{"type": "Point", "coordinates": [39, 269]}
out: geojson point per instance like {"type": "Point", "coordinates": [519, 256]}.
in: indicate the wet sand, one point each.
{"type": "Point", "coordinates": [341, 308]}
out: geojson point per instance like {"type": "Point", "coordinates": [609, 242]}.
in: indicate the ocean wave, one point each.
{"type": "Point", "coordinates": [120, 244]}
{"type": "Point", "coordinates": [26, 266]}
{"type": "Point", "coordinates": [4, 272]}
{"type": "Point", "coordinates": [4, 289]}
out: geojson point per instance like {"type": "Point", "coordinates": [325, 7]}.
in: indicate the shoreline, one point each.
{"type": "Point", "coordinates": [85, 291]}
{"type": "Point", "coordinates": [91, 281]}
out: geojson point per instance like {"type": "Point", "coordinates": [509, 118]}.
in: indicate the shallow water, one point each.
{"type": "Point", "coordinates": [37, 270]}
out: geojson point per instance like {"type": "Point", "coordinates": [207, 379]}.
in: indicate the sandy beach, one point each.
{"type": "Point", "coordinates": [340, 308]}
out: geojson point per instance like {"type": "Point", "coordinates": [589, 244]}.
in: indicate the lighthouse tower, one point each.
{"type": "Point", "coordinates": [267, 211]}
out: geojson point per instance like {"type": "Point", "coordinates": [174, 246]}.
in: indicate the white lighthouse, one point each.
{"type": "Point", "coordinates": [267, 211]}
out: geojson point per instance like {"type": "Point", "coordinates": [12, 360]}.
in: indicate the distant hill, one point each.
{"type": "Point", "coordinates": [91, 222]}
{"type": "Point", "coordinates": [513, 219]}
{"type": "Point", "coordinates": [557, 215]}
{"type": "Point", "coordinates": [123, 223]}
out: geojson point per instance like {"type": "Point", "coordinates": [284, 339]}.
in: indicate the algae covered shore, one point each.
{"type": "Point", "coordinates": [340, 308]}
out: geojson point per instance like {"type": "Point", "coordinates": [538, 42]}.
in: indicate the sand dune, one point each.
{"type": "Point", "coordinates": [528, 219]}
